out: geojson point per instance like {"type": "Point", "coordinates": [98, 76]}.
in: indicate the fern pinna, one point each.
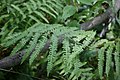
{"type": "Point", "coordinates": [108, 60]}
{"type": "Point", "coordinates": [18, 15]}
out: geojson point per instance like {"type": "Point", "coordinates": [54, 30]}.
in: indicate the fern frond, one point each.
{"type": "Point", "coordinates": [66, 54]}
{"type": "Point", "coordinates": [28, 7]}
{"type": "Point", "coordinates": [3, 16]}
{"type": "Point", "coordinates": [34, 4]}
{"type": "Point", "coordinates": [32, 43]}
{"type": "Point", "coordinates": [69, 63]}
{"type": "Point", "coordinates": [22, 11]}
{"type": "Point", "coordinates": [38, 48]}
{"type": "Point", "coordinates": [41, 15]}
{"type": "Point", "coordinates": [54, 4]}
{"type": "Point", "coordinates": [21, 44]}
{"type": "Point", "coordinates": [14, 39]}
{"type": "Point", "coordinates": [117, 58]}
{"type": "Point", "coordinates": [89, 38]}
{"type": "Point", "coordinates": [19, 10]}
{"type": "Point", "coordinates": [45, 10]}
{"type": "Point", "coordinates": [52, 54]}
{"type": "Point", "coordinates": [101, 60]}
{"type": "Point", "coordinates": [51, 9]}
{"type": "Point", "coordinates": [34, 18]}
{"type": "Point", "coordinates": [58, 2]}
{"type": "Point", "coordinates": [109, 58]}
{"type": "Point", "coordinates": [4, 29]}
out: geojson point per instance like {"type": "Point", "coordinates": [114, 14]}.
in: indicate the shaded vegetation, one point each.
{"type": "Point", "coordinates": [57, 40]}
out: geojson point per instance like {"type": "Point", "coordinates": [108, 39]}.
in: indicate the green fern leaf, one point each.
{"type": "Point", "coordinates": [117, 59]}
{"type": "Point", "coordinates": [99, 43]}
{"type": "Point", "coordinates": [21, 44]}
{"type": "Point", "coordinates": [52, 54]}
{"type": "Point", "coordinates": [53, 4]}
{"type": "Point", "coordinates": [48, 6]}
{"type": "Point", "coordinates": [109, 58]}
{"type": "Point", "coordinates": [12, 36]}
{"type": "Point", "coordinates": [31, 47]}
{"type": "Point", "coordinates": [58, 3]}
{"type": "Point", "coordinates": [101, 61]}
{"type": "Point", "coordinates": [3, 16]}
{"type": "Point", "coordinates": [28, 8]}
{"type": "Point", "coordinates": [89, 37]}
{"type": "Point", "coordinates": [66, 54]}
{"type": "Point", "coordinates": [45, 10]}
{"type": "Point", "coordinates": [34, 4]}
{"type": "Point", "coordinates": [18, 9]}
{"type": "Point", "coordinates": [15, 39]}
{"type": "Point", "coordinates": [34, 18]}
{"type": "Point", "coordinates": [117, 62]}
{"type": "Point", "coordinates": [39, 14]}
{"type": "Point", "coordinates": [77, 49]}
{"type": "Point", "coordinates": [38, 48]}
{"type": "Point", "coordinates": [76, 71]}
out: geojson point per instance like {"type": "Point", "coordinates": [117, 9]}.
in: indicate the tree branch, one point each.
{"type": "Point", "coordinates": [110, 13]}
{"type": "Point", "coordinates": [97, 20]}
{"type": "Point", "coordinates": [11, 61]}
